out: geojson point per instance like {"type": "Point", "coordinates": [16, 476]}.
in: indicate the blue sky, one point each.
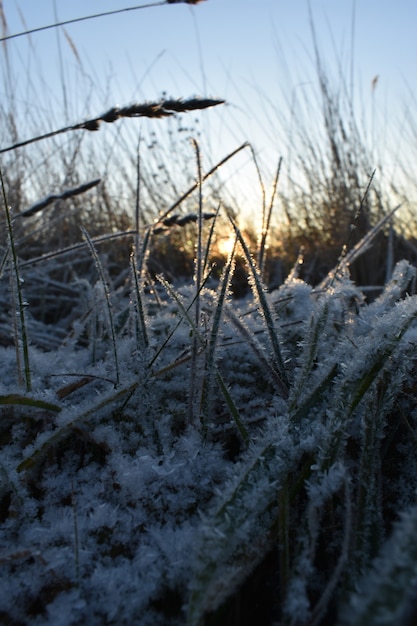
{"type": "Point", "coordinates": [257, 54]}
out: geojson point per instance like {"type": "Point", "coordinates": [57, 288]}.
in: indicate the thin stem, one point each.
{"type": "Point", "coordinates": [207, 175]}
{"type": "Point", "coordinates": [20, 314]}
{"type": "Point", "coordinates": [100, 270]}
{"type": "Point", "coordinates": [352, 228]}
{"type": "Point", "coordinates": [94, 16]}
{"type": "Point", "coordinates": [198, 280]}
{"type": "Point", "coordinates": [137, 201]}
{"type": "Point", "coordinates": [266, 221]}
{"type": "Point", "coordinates": [199, 230]}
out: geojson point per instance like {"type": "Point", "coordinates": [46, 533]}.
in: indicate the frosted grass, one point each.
{"type": "Point", "coordinates": [106, 489]}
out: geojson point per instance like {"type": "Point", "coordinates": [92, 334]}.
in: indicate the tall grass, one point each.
{"type": "Point", "coordinates": [213, 460]}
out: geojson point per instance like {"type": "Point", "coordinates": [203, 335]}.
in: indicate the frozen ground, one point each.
{"type": "Point", "coordinates": [150, 501]}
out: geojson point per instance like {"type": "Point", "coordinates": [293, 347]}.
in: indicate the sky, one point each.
{"type": "Point", "coordinates": [256, 54]}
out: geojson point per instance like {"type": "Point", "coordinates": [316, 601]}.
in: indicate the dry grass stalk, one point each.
{"type": "Point", "coordinates": [164, 108]}
{"type": "Point", "coordinates": [68, 193]}
{"type": "Point", "coordinates": [30, 31]}
{"type": "Point", "coordinates": [184, 1]}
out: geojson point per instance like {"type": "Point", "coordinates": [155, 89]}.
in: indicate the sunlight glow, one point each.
{"type": "Point", "coordinates": [225, 244]}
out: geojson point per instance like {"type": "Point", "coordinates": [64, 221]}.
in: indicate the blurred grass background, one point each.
{"type": "Point", "coordinates": [303, 225]}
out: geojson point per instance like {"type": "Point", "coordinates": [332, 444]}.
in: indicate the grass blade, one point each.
{"type": "Point", "coordinates": [107, 295]}
{"type": "Point", "coordinates": [259, 293]}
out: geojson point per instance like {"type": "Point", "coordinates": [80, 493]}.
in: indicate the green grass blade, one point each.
{"type": "Point", "coordinates": [18, 400]}
{"type": "Point", "coordinates": [232, 408]}
{"type": "Point", "coordinates": [61, 432]}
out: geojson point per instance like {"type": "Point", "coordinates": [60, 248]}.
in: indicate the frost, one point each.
{"type": "Point", "coordinates": [325, 483]}
{"type": "Point", "coordinates": [117, 507]}
{"type": "Point", "coordinates": [386, 595]}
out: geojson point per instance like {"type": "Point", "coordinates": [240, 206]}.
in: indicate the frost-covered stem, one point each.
{"type": "Point", "coordinates": [19, 315]}
{"type": "Point", "coordinates": [137, 201]}
{"type": "Point", "coordinates": [137, 261]}
{"type": "Point", "coordinates": [229, 401]}
{"type": "Point", "coordinates": [207, 175]}
{"type": "Point", "coordinates": [141, 332]}
{"type": "Point", "coordinates": [269, 369]}
{"type": "Point", "coordinates": [207, 390]}
{"type": "Point", "coordinates": [266, 221]}
{"type": "Point", "coordinates": [390, 254]}
{"type": "Point", "coordinates": [16, 331]}
{"type": "Point", "coordinates": [317, 327]}
{"type": "Point", "coordinates": [198, 280]}
{"type": "Point", "coordinates": [259, 293]}
{"type": "Point", "coordinates": [100, 271]}
{"type": "Point", "coordinates": [209, 240]}
{"type": "Point", "coordinates": [199, 252]}
{"type": "Point", "coordinates": [261, 184]}
{"type": "Point", "coordinates": [368, 517]}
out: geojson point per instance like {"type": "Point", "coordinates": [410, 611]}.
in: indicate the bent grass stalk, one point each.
{"type": "Point", "coordinates": [161, 109]}
{"type": "Point", "coordinates": [268, 367]}
{"type": "Point", "coordinates": [47, 443]}
{"type": "Point", "coordinates": [347, 258]}
{"type": "Point", "coordinates": [94, 16]}
{"type": "Point", "coordinates": [204, 178]}
{"type": "Point", "coordinates": [160, 350]}
{"type": "Point", "coordinates": [68, 193]}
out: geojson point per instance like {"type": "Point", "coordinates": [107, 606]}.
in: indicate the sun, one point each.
{"type": "Point", "coordinates": [225, 244]}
